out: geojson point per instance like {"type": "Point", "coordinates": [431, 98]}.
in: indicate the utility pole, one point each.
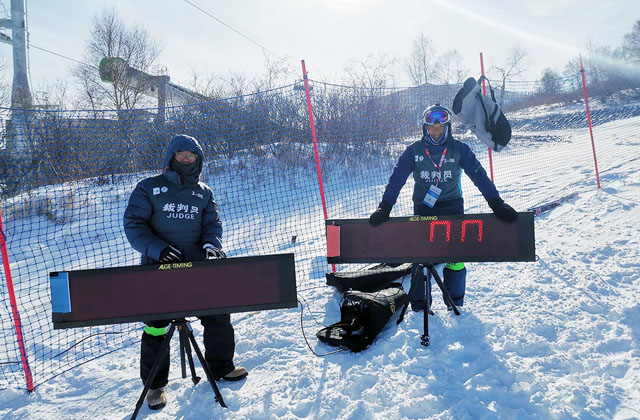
{"type": "Point", "coordinates": [18, 148]}
{"type": "Point", "coordinates": [21, 90]}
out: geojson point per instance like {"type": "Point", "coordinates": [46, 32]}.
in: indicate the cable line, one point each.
{"type": "Point", "coordinates": [229, 26]}
{"type": "Point", "coordinates": [60, 55]}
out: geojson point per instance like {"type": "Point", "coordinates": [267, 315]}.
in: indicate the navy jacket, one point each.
{"type": "Point", "coordinates": [415, 160]}
{"type": "Point", "coordinates": [162, 212]}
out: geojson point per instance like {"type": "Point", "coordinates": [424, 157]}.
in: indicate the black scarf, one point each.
{"type": "Point", "coordinates": [190, 174]}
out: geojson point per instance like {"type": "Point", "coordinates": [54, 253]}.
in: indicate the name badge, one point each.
{"type": "Point", "coordinates": [432, 196]}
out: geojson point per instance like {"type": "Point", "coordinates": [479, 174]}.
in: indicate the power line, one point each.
{"type": "Point", "coordinates": [60, 55]}
{"type": "Point", "coordinates": [187, 1]}
{"type": "Point", "coordinates": [229, 26]}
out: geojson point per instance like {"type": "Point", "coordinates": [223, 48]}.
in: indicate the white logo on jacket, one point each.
{"type": "Point", "coordinates": [180, 211]}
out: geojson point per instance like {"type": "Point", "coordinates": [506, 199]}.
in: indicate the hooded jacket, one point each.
{"type": "Point", "coordinates": [162, 211]}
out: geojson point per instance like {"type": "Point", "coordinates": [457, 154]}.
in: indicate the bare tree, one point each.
{"type": "Point", "coordinates": [607, 69]}
{"type": "Point", "coordinates": [122, 79]}
{"type": "Point", "coordinates": [278, 72]}
{"type": "Point", "coordinates": [595, 64]}
{"type": "Point", "coordinates": [52, 95]}
{"type": "Point", "coordinates": [449, 68]}
{"type": "Point", "coordinates": [237, 84]}
{"type": "Point", "coordinates": [421, 63]}
{"type": "Point", "coordinates": [92, 92]}
{"type": "Point", "coordinates": [513, 67]}
{"type": "Point", "coordinates": [631, 44]}
{"type": "Point", "coordinates": [572, 67]}
{"type": "Point", "coordinates": [211, 86]}
{"type": "Point", "coordinates": [371, 72]}
{"type": "Point", "coordinates": [550, 83]}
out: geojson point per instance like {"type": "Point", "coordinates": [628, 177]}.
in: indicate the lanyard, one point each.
{"type": "Point", "coordinates": [439, 166]}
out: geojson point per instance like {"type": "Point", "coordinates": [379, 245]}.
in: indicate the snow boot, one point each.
{"type": "Point", "coordinates": [156, 398]}
{"type": "Point", "coordinates": [236, 374]}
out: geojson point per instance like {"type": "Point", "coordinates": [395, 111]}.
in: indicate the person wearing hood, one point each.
{"type": "Point", "coordinates": [172, 217]}
{"type": "Point", "coordinates": [437, 161]}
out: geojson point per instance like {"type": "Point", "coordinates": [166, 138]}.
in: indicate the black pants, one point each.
{"type": "Point", "coordinates": [454, 281]}
{"type": "Point", "coordinates": [219, 345]}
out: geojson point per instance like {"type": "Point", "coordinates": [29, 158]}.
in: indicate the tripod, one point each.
{"type": "Point", "coordinates": [186, 338]}
{"type": "Point", "coordinates": [418, 276]}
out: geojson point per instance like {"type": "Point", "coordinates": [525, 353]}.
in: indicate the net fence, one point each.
{"type": "Point", "coordinates": [66, 176]}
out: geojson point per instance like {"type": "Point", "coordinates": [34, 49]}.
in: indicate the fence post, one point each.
{"type": "Point", "coordinates": [484, 92]}
{"type": "Point", "coordinates": [586, 104]}
{"type": "Point", "coordinates": [14, 308]}
{"type": "Point", "coordinates": [315, 144]}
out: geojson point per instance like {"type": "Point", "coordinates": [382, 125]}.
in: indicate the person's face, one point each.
{"type": "Point", "coordinates": [186, 158]}
{"type": "Point", "coordinates": [435, 131]}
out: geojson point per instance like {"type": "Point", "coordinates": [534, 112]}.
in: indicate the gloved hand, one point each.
{"type": "Point", "coordinates": [213, 253]}
{"type": "Point", "coordinates": [502, 210]}
{"type": "Point", "coordinates": [170, 254]}
{"type": "Point", "coordinates": [381, 214]}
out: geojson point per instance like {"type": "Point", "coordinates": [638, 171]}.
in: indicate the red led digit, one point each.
{"type": "Point", "coordinates": [447, 225]}
{"type": "Point", "coordinates": [468, 222]}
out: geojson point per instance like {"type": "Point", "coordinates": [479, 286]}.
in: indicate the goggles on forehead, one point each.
{"type": "Point", "coordinates": [436, 116]}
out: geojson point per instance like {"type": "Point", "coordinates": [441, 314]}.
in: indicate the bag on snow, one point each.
{"type": "Point", "coordinates": [481, 114]}
{"type": "Point", "coordinates": [371, 280]}
{"type": "Point", "coordinates": [362, 316]}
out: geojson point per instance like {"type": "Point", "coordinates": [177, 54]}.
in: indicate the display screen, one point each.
{"type": "Point", "coordinates": [176, 290]}
{"type": "Point", "coordinates": [432, 239]}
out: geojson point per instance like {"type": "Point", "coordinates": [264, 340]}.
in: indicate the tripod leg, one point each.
{"type": "Point", "coordinates": [164, 349]}
{"type": "Point", "coordinates": [183, 338]}
{"type": "Point", "coordinates": [410, 295]}
{"type": "Point", "coordinates": [204, 364]}
{"type": "Point", "coordinates": [187, 349]}
{"type": "Point", "coordinates": [424, 339]}
{"type": "Point", "coordinates": [445, 293]}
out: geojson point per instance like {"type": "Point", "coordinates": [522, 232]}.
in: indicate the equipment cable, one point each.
{"type": "Point", "coordinates": [304, 335]}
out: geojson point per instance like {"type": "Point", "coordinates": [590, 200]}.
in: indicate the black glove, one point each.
{"type": "Point", "coordinates": [213, 253]}
{"type": "Point", "coordinates": [170, 254]}
{"type": "Point", "coordinates": [502, 210]}
{"type": "Point", "coordinates": [381, 214]}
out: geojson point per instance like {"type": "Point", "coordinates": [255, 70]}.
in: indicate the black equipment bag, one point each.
{"type": "Point", "coordinates": [371, 280]}
{"type": "Point", "coordinates": [362, 317]}
{"type": "Point", "coordinates": [481, 114]}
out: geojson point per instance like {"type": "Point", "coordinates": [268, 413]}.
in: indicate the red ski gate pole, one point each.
{"type": "Point", "coordinates": [14, 308]}
{"type": "Point", "coordinates": [586, 104]}
{"type": "Point", "coordinates": [315, 144]}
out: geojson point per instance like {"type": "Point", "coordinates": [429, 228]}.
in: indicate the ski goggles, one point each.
{"type": "Point", "coordinates": [436, 116]}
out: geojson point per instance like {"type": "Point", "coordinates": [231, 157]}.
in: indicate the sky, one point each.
{"type": "Point", "coordinates": [558, 338]}
{"type": "Point", "coordinates": [328, 33]}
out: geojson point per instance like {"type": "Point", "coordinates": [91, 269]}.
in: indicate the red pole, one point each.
{"type": "Point", "coordinates": [586, 104]}
{"type": "Point", "coordinates": [315, 144]}
{"type": "Point", "coordinates": [484, 92]}
{"type": "Point", "coordinates": [14, 309]}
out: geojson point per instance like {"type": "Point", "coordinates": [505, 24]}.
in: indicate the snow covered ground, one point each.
{"type": "Point", "coordinates": [554, 339]}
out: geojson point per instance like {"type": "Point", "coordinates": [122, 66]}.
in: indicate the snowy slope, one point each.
{"type": "Point", "coordinates": [554, 339]}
